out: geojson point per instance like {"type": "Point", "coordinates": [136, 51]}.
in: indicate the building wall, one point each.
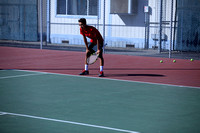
{"type": "Point", "coordinates": [44, 18]}
{"type": "Point", "coordinates": [155, 20]}
{"type": "Point", "coordinates": [18, 20]}
{"type": "Point", "coordinates": [120, 30]}
{"type": "Point", "coordinates": [65, 27]}
{"type": "Point", "coordinates": [188, 32]}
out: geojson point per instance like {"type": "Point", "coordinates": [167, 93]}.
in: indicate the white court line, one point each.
{"type": "Point", "coordinates": [69, 122]}
{"type": "Point", "coordinates": [21, 75]}
{"type": "Point", "coordinates": [2, 113]}
{"type": "Point", "coordinates": [3, 70]}
{"type": "Point", "coordinates": [104, 78]}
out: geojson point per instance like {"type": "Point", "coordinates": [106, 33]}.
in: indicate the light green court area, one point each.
{"type": "Point", "coordinates": [34, 102]}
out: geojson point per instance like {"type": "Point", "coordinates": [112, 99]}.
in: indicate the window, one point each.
{"type": "Point", "coordinates": [61, 6]}
{"type": "Point", "coordinates": [77, 7]}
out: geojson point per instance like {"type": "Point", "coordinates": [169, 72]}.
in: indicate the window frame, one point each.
{"type": "Point", "coordinates": [76, 16]}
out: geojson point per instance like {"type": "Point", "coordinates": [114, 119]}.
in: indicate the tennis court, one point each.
{"type": "Point", "coordinates": [41, 91]}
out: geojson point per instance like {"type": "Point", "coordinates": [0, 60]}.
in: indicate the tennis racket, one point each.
{"type": "Point", "coordinates": [92, 58]}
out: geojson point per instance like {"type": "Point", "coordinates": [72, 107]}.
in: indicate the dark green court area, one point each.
{"type": "Point", "coordinates": [36, 102]}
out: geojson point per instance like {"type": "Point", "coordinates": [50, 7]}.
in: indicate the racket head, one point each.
{"type": "Point", "coordinates": [92, 58]}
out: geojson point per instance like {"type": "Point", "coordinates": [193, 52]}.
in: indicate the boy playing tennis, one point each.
{"type": "Point", "coordinates": [96, 39]}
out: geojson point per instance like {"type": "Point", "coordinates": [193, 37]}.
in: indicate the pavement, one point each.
{"type": "Point", "coordinates": [108, 50]}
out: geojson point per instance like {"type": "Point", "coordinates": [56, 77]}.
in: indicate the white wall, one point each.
{"type": "Point", "coordinates": [155, 17]}
{"type": "Point", "coordinates": [65, 27]}
{"type": "Point", "coordinates": [119, 30]}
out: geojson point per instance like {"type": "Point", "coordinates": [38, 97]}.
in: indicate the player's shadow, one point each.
{"type": "Point", "coordinates": [145, 75]}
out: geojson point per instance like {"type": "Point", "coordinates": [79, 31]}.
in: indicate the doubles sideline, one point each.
{"type": "Point", "coordinates": [68, 122]}
{"type": "Point", "coordinates": [16, 76]}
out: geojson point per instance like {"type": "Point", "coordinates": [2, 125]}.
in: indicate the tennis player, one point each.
{"type": "Point", "coordinates": [96, 39]}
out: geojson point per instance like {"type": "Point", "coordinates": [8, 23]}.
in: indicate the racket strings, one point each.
{"type": "Point", "coordinates": [92, 59]}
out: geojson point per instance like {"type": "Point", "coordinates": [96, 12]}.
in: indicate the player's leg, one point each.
{"type": "Point", "coordinates": [88, 53]}
{"type": "Point", "coordinates": [101, 74]}
{"type": "Point", "coordinates": [101, 58]}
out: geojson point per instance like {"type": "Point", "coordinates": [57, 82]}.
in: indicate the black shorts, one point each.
{"type": "Point", "coordinates": [91, 47]}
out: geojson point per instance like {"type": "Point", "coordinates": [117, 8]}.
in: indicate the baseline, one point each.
{"type": "Point", "coordinates": [104, 78]}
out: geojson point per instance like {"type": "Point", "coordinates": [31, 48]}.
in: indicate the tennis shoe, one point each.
{"type": "Point", "coordinates": [101, 74]}
{"type": "Point", "coordinates": [84, 72]}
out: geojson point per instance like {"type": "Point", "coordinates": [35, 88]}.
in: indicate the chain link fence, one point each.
{"type": "Point", "coordinates": [162, 26]}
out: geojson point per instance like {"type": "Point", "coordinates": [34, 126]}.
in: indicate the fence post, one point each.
{"type": "Point", "coordinates": [104, 17]}
{"type": "Point", "coordinates": [41, 24]}
{"type": "Point", "coordinates": [160, 31]}
{"type": "Point", "coordinates": [146, 13]}
{"type": "Point", "coordinates": [48, 18]}
{"type": "Point", "coordinates": [171, 28]}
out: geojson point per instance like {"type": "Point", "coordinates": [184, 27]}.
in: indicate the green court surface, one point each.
{"type": "Point", "coordinates": [36, 102]}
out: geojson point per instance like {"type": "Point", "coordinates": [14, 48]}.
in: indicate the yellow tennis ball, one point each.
{"type": "Point", "coordinates": [191, 59]}
{"type": "Point", "coordinates": [174, 61]}
{"type": "Point", "coordinates": [161, 61]}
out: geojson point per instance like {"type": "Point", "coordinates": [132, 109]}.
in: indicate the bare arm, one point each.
{"type": "Point", "coordinates": [85, 41]}
{"type": "Point", "coordinates": [98, 45]}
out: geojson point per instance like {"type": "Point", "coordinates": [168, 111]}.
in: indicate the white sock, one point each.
{"type": "Point", "coordinates": [101, 68]}
{"type": "Point", "coordinates": [86, 67]}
